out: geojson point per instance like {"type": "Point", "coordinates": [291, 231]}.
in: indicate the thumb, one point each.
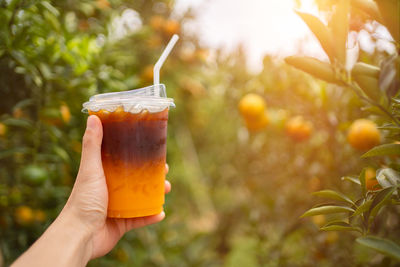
{"type": "Point", "coordinates": [91, 145]}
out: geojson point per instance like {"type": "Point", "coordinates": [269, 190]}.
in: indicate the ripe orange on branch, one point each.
{"type": "Point", "coordinates": [371, 183]}
{"type": "Point", "coordinates": [299, 129]}
{"type": "Point", "coordinates": [3, 129]}
{"type": "Point", "coordinates": [65, 113]}
{"type": "Point", "coordinates": [24, 215]}
{"type": "Point", "coordinates": [319, 220]}
{"type": "Point", "coordinates": [258, 124]}
{"type": "Point", "coordinates": [147, 74]}
{"type": "Point", "coordinates": [252, 106]}
{"type": "Point", "coordinates": [363, 134]}
{"type": "Point", "coordinates": [171, 27]}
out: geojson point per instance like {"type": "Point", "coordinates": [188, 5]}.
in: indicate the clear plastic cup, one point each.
{"type": "Point", "coordinates": [134, 148]}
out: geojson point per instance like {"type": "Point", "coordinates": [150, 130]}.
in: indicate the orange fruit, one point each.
{"type": "Point", "coordinates": [319, 220]}
{"type": "Point", "coordinates": [18, 113]}
{"type": "Point", "coordinates": [252, 106]}
{"type": "Point", "coordinates": [147, 74]}
{"type": "Point", "coordinates": [24, 215]}
{"type": "Point", "coordinates": [103, 4]}
{"type": "Point", "coordinates": [363, 134]}
{"type": "Point", "coordinates": [3, 129]}
{"type": "Point", "coordinates": [299, 129]}
{"type": "Point", "coordinates": [371, 183]}
{"type": "Point", "coordinates": [202, 54]}
{"type": "Point", "coordinates": [171, 27]}
{"type": "Point", "coordinates": [65, 113]}
{"type": "Point", "coordinates": [331, 237]}
{"type": "Point", "coordinates": [258, 123]}
{"type": "Point", "coordinates": [157, 23]}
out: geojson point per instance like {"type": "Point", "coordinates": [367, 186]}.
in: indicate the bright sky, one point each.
{"type": "Point", "coordinates": [262, 26]}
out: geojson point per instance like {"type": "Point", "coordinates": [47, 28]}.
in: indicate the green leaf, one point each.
{"type": "Point", "coordinates": [61, 153]}
{"type": "Point", "coordinates": [326, 210]}
{"type": "Point", "coordinates": [50, 8]}
{"type": "Point", "coordinates": [23, 123]}
{"type": "Point", "coordinates": [389, 127]}
{"type": "Point", "coordinates": [396, 100]}
{"type": "Point", "coordinates": [315, 67]}
{"type": "Point", "coordinates": [384, 246]}
{"type": "Point", "coordinates": [339, 25]}
{"type": "Point", "coordinates": [24, 103]}
{"type": "Point", "coordinates": [340, 226]}
{"type": "Point", "coordinates": [361, 68]}
{"type": "Point", "coordinates": [380, 200]}
{"type": "Point", "coordinates": [383, 150]}
{"type": "Point", "coordinates": [363, 207]}
{"type": "Point", "coordinates": [320, 31]}
{"type": "Point", "coordinates": [333, 195]}
{"type": "Point", "coordinates": [369, 85]}
{"type": "Point", "coordinates": [11, 152]}
{"type": "Point", "coordinates": [351, 179]}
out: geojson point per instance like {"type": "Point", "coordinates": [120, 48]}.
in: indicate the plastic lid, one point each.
{"type": "Point", "coordinates": [152, 98]}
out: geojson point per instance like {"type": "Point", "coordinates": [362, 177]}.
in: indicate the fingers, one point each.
{"type": "Point", "coordinates": [91, 145]}
{"type": "Point", "coordinates": [167, 183]}
{"type": "Point", "coordinates": [134, 223]}
{"type": "Point", "coordinates": [167, 187]}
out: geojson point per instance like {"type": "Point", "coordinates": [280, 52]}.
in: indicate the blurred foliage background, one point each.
{"type": "Point", "coordinates": [238, 188]}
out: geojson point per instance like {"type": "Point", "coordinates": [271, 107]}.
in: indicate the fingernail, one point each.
{"type": "Point", "coordinates": [91, 124]}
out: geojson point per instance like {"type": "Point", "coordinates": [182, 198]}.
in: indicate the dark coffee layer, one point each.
{"type": "Point", "coordinates": [133, 139]}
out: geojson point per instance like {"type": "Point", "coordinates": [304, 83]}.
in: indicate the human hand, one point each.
{"type": "Point", "coordinates": [89, 197]}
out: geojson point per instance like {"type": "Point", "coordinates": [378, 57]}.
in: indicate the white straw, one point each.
{"type": "Point", "coordinates": [160, 62]}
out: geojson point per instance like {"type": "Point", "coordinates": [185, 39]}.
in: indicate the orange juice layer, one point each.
{"type": "Point", "coordinates": [134, 192]}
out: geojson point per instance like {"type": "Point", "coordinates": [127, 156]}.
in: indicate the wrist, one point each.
{"type": "Point", "coordinates": [75, 235]}
{"type": "Point", "coordinates": [67, 242]}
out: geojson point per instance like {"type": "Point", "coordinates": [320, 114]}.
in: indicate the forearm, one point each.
{"type": "Point", "coordinates": [65, 243]}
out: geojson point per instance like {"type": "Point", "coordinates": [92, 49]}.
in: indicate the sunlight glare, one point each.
{"type": "Point", "coordinates": [261, 26]}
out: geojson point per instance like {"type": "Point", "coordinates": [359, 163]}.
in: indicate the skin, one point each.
{"type": "Point", "coordinates": [82, 230]}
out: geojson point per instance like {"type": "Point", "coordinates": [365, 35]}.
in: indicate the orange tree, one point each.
{"type": "Point", "coordinates": [301, 149]}
{"type": "Point", "coordinates": [375, 80]}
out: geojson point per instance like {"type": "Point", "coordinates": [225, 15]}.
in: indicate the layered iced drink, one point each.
{"type": "Point", "coordinates": [133, 151]}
